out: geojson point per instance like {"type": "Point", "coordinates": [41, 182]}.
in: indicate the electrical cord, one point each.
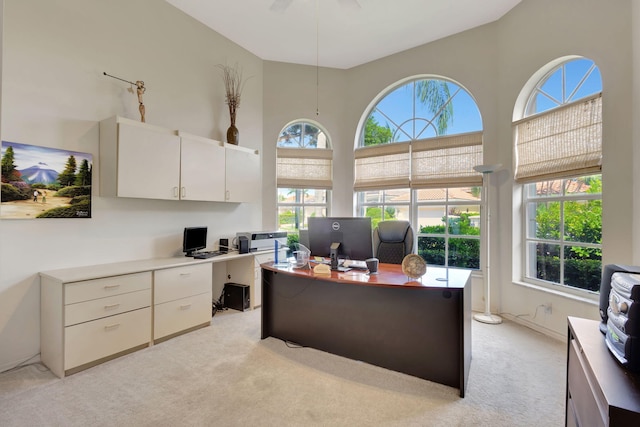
{"type": "Point", "coordinates": [24, 364]}
{"type": "Point", "coordinates": [292, 344]}
{"type": "Point", "coordinates": [218, 305]}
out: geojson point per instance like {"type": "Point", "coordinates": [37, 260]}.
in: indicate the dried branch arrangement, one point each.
{"type": "Point", "coordinates": [233, 86]}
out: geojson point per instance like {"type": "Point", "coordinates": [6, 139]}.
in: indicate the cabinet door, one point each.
{"type": "Point", "coordinates": [202, 169]}
{"type": "Point", "coordinates": [148, 162]}
{"type": "Point", "coordinates": [242, 175]}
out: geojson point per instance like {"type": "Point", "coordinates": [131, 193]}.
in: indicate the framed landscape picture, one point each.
{"type": "Point", "coordinates": [41, 182]}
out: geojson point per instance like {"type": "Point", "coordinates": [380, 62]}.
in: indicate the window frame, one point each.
{"type": "Point", "coordinates": [401, 175]}
{"type": "Point", "coordinates": [303, 151]}
{"type": "Point", "coordinates": [528, 254]}
{"type": "Point", "coordinates": [528, 260]}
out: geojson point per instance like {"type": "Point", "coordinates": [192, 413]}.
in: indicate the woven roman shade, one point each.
{"type": "Point", "coordinates": [304, 168]}
{"type": "Point", "coordinates": [382, 166]}
{"type": "Point", "coordinates": [563, 142]}
{"type": "Point", "coordinates": [446, 161]}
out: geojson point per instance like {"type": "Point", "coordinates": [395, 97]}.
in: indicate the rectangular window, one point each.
{"type": "Point", "coordinates": [295, 205]}
{"type": "Point", "coordinates": [448, 226]}
{"type": "Point", "coordinates": [563, 232]}
{"type": "Point", "coordinates": [446, 221]}
{"type": "Point", "coordinates": [382, 205]}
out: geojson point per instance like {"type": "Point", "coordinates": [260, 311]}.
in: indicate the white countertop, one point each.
{"type": "Point", "coordinates": [76, 274]}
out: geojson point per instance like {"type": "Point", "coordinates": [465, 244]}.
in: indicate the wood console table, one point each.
{"type": "Point", "coordinates": [418, 328]}
{"type": "Point", "coordinates": [599, 391]}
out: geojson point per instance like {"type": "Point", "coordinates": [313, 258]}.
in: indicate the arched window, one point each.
{"type": "Point", "coordinates": [414, 161]}
{"type": "Point", "coordinates": [304, 174]}
{"type": "Point", "coordinates": [558, 151]}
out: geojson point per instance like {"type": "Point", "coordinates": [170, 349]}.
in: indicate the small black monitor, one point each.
{"type": "Point", "coordinates": [194, 239]}
{"type": "Point", "coordinates": [352, 233]}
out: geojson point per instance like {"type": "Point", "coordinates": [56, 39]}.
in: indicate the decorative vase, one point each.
{"type": "Point", "coordinates": [233, 136]}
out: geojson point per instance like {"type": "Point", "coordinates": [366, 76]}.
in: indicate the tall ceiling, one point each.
{"type": "Point", "coordinates": [339, 33]}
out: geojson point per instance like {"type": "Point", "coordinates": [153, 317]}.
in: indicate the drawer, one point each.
{"type": "Point", "coordinates": [583, 395]}
{"type": "Point", "coordinates": [175, 316]}
{"type": "Point", "coordinates": [175, 283]}
{"type": "Point", "coordinates": [108, 286]}
{"type": "Point", "coordinates": [100, 338]}
{"type": "Point", "coordinates": [103, 307]}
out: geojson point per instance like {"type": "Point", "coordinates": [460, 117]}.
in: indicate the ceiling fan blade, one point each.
{"type": "Point", "coordinates": [280, 5]}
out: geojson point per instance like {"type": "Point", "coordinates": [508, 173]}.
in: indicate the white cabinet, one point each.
{"type": "Point", "coordinates": [145, 161]}
{"type": "Point", "coordinates": [182, 299]}
{"type": "Point", "coordinates": [243, 183]}
{"type": "Point", "coordinates": [257, 275]}
{"type": "Point", "coordinates": [86, 322]}
{"type": "Point", "coordinates": [247, 271]}
{"type": "Point", "coordinates": [202, 169]}
{"type": "Point", "coordinates": [138, 160]}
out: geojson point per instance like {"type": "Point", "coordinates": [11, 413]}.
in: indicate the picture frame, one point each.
{"type": "Point", "coordinates": [42, 182]}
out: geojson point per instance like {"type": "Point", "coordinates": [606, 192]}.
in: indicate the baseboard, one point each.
{"type": "Point", "coordinates": [548, 332]}
{"type": "Point", "coordinates": [24, 361]}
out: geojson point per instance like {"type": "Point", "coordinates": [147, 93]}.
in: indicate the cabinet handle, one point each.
{"type": "Point", "coordinates": [111, 306]}
{"type": "Point", "coordinates": [227, 195]}
{"type": "Point", "coordinates": [184, 192]}
{"type": "Point", "coordinates": [110, 327]}
{"type": "Point", "coordinates": [185, 274]}
{"type": "Point", "coordinates": [107, 287]}
{"type": "Point", "coordinates": [175, 192]}
{"type": "Point", "coordinates": [185, 306]}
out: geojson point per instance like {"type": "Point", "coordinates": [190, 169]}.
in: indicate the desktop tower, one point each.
{"type": "Point", "coordinates": [236, 296]}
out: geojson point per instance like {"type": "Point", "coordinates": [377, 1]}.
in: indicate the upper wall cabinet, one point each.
{"type": "Point", "coordinates": [138, 160]}
{"type": "Point", "coordinates": [202, 168]}
{"type": "Point", "coordinates": [144, 161]}
{"type": "Point", "coordinates": [243, 182]}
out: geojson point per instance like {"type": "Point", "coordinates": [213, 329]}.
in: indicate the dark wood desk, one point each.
{"type": "Point", "coordinates": [421, 328]}
{"type": "Point", "coordinates": [599, 391]}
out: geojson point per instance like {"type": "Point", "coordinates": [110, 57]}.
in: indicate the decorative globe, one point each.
{"type": "Point", "coordinates": [413, 266]}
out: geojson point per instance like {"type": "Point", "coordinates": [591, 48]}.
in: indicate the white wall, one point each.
{"type": "Point", "coordinates": [493, 63]}
{"type": "Point", "coordinates": [54, 93]}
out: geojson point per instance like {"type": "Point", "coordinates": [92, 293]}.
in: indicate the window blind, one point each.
{"type": "Point", "coordinates": [563, 142]}
{"type": "Point", "coordinates": [446, 161]}
{"type": "Point", "coordinates": [382, 166]}
{"type": "Point", "coordinates": [304, 168]}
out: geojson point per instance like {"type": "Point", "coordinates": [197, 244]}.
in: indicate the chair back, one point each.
{"type": "Point", "coordinates": [392, 241]}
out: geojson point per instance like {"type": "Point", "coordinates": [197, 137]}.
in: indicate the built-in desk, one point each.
{"type": "Point", "coordinates": [94, 313]}
{"type": "Point", "coordinates": [421, 328]}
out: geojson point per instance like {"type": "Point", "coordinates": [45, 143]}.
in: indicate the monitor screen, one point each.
{"type": "Point", "coordinates": [194, 239]}
{"type": "Point", "coordinates": [353, 234]}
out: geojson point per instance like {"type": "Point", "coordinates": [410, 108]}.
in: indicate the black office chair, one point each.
{"type": "Point", "coordinates": [392, 241]}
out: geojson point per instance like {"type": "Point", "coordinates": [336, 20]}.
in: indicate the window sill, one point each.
{"type": "Point", "coordinates": [577, 295]}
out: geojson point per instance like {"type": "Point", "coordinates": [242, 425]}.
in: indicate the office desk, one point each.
{"type": "Point", "coordinates": [421, 328]}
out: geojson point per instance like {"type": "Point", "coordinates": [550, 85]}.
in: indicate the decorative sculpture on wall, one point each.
{"type": "Point", "coordinates": [139, 84]}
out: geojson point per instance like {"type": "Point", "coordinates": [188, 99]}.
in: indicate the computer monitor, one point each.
{"type": "Point", "coordinates": [353, 234]}
{"type": "Point", "coordinates": [194, 239]}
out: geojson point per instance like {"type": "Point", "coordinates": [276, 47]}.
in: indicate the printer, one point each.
{"type": "Point", "coordinates": [262, 240]}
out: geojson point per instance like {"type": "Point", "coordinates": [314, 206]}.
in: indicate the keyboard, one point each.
{"type": "Point", "coordinates": [352, 263]}
{"type": "Point", "coordinates": [207, 254]}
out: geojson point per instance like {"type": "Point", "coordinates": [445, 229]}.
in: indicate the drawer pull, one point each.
{"type": "Point", "coordinates": [107, 287]}
{"type": "Point", "coordinates": [185, 306]}
{"type": "Point", "coordinates": [185, 274]}
{"type": "Point", "coordinates": [111, 306]}
{"type": "Point", "coordinates": [111, 327]}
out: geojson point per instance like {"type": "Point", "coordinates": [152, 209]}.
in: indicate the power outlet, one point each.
{"type": "Point", "coordinates": [547, 308]}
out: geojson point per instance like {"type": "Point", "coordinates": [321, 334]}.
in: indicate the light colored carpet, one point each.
{"type": "Point", "coordinates": [225, 375]}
